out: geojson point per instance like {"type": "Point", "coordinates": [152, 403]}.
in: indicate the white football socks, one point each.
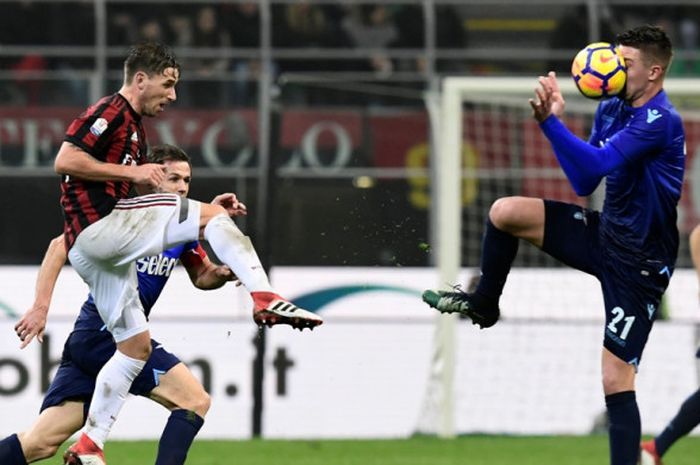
{"type": "Point", "coordinates": [111, 389]}
{"type": "Point", "coordinates": [235, 250]}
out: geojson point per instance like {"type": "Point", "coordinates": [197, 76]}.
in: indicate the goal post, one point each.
{"type": "Point", "coordinates": [486, 146]}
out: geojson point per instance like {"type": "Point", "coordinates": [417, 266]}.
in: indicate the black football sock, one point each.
{"type": "Point", "coordinates": [11, 451]}
{"type": "Point", "coordinates": [497, 255]}
{"type": "Point", "coordinates": [177, 437]}
{"type": "Point", "coordinates": [624, 429]}
{"type": "Point", "coordinates": [687, 418]}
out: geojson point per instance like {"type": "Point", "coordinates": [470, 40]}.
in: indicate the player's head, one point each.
{"type": "Point", "coordinates": [151, 72]}
{"type": "Point", "coordinates": [647, 51]}
{"type": "Point", "coordinates": [178, 169]}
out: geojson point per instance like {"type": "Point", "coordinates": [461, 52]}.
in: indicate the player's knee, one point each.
{"type": "Point", "coordinates": [138, 347]}
{"type": "Point", "coordinates": [520, 216]}
{"type": "Point", "coordinates": [201, 403]}
{"type": "Point", "coordinates": [196, 401]}
{"type": "Point", "coordinates": [140, 352]}
{"type": "Point", "coordinates": [503, 212]}
{"type": "Point", "coordinates": [146, 350]}
{"type": "Point", "coordinates": [204, 404]}
{"type": "Point", "coordinates": [615, 381]}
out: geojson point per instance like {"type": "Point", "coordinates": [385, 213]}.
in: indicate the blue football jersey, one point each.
{"type": "Point", "coordinates": [153, 272]}
{"type": "Point", "coordinates": [639, 214]}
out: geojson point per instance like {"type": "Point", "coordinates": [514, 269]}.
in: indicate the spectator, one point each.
{"type": "Point", "coordinates": [371, 27]}
{"type": "Point", "coordinates": [242, 21]}
{"type": "Point", "coordinates": [206, 84]}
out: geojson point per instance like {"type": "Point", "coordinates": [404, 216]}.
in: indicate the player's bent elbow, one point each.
{"type": "Point", "coordinates": [58, 166]}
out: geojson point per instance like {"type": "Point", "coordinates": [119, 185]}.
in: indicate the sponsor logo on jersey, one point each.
{"type": "Point", "coordinates": [99, 126]}
{"type": "Point", "coordinates": [128, 160]}
{"type": "Point", "coordinates": [157, 265]}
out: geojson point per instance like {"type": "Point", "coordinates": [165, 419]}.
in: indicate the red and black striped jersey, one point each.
{"type": "Point", "coordinates": [112, 132]}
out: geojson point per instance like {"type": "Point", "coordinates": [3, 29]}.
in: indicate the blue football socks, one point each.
{"type": "Point", "coordinates": [177, 437]}
{"type": "Point", "coordinates": [625, 428]}
{"type": "Point", "coordinates": [497, 255]}
{"type": "Point", "coordinates": [11, 451]}
{"type": "Point", "coordinates": [687, 418]}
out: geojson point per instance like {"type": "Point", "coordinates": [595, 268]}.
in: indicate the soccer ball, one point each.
{"type": "Point", "coordinates": [599, 70]}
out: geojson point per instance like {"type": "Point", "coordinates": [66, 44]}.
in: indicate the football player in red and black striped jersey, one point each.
{"type": "Point", "coordinates": [107, 143]}
{"type": "Point", "coordinates": [102, 156]}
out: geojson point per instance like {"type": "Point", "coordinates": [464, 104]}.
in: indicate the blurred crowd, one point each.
{"type": "Point", "coordinates": [201, 32]}
{"type": "Point", "coordinates": [217, 43]}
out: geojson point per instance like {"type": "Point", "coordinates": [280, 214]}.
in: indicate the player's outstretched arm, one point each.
{"type": "Point", "coordinates": [33, 322]}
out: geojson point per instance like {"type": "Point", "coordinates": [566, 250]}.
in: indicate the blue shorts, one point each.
{"type": "Point", "coordinates": [84, 354]}
{"type": "Point", "coordinates": [632, 287]}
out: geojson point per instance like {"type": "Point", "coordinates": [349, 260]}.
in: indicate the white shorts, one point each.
{"type": "Point", "coordinates": [104, 253]}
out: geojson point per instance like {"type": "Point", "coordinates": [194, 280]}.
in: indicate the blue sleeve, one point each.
{"type": "Point", "coordinates": [583, 164]}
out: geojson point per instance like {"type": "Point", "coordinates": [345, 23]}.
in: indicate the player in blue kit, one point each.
{"type": "Point", "coordinates": [637, 144]}
{"type": "Point", "coordinates": [688, 415]}
{"type": "Point", "coordinates": [89, 345]}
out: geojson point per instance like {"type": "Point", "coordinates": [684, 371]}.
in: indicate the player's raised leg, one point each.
{"type": "Point", "coordinates": [510, 219]}
{"type": "Point", "coordinates": [236, 250]}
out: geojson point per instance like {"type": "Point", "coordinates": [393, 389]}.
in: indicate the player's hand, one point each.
{"type": "Point", "coordinates": [150, 175]}
{"type": "Point", "coordinates": [548, 98]}
{"type": "Point", "coordinates": [32, 325]}
{"type": "Point", "coordinates": [558, 102]}
{"type": "Point", "coordinates": [231, 203]}
{"type": "Point", "coordinates": [224, 272]}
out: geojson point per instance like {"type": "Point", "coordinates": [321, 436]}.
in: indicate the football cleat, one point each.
{"type": "Point", "coordinates": [464, 304]}
{"type": "Point", "coordinates": [271, 309]}
{"type": "Point", "coordinates": [648, 455]}
{"type": "Point", "coordinates": [84, 452]}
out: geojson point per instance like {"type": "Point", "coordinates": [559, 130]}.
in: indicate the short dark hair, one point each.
{"type": "Point", "coordinates": [149, 57]}
{"type": "Point", "coordinates": [166, 152]}
{"type": "Point", "coordinates": [652, 41]}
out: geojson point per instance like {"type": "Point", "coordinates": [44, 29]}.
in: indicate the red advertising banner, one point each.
{"type": "Point", "coordinates": [496, 145]}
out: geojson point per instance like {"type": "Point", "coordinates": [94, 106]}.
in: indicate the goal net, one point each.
{"type": "Point", "coordinates": [538, 370]}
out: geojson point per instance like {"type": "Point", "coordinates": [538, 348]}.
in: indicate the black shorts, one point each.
{"type": "Point", "coordinates": [84, 355]}
{"type": "Point", "coordinates": [632, 288]}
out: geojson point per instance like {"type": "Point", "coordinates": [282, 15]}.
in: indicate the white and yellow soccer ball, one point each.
{"type": "Point", "coordinates": [599, 70]}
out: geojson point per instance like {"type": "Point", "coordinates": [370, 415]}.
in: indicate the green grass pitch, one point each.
{"type": "Point", "coordinates": [467, 450]}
